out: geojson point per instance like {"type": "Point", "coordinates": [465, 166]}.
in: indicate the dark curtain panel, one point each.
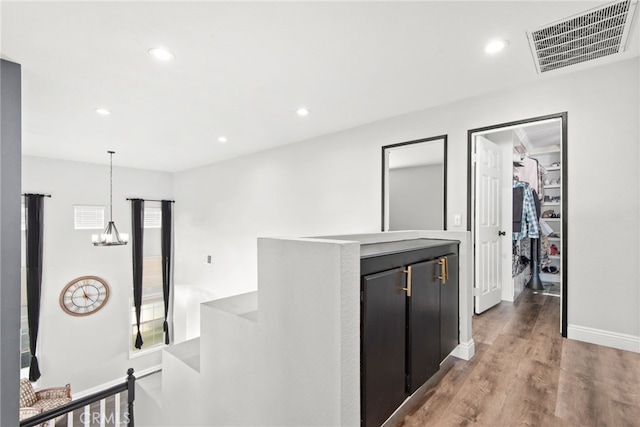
{"type": "Point", "coordinates": [137, 223]}
{"type": "Point", "coordinates": [34, 232]}
{"type": "Point", "coordinates": [167, 237]}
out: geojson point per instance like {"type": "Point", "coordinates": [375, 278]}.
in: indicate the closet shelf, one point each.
{"type": "Point", "coordinates": [545, 150]}
{"type": "Point", "coordinates": [554, 256]}
{"type": "Point", "coordinates": [552, 168]}
{"type": "Point", "coordinates": [551, 204]}
{"type": "Point", "coordinates": [553, 239]}
{"type": "Point", "coordinates": [552, 219]}
{"type": "Point", "coordinates": [552, 186]}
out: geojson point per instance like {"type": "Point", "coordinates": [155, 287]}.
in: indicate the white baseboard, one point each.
{"type": "Point", "coordinates": [465, 351]}
{"type": "Point", "coordinates": [605, 338]}
{"type": "Point", "coordinates": [101, 387]}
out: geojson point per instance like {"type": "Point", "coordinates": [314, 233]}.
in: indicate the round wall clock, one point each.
{"type": "Point", "coordinates": [84, 295]}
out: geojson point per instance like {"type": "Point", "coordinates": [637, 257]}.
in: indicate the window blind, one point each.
{"type": "Point", "coordinates": [88, 217]}
{"type": "Point", "coordinates": [152, 217]}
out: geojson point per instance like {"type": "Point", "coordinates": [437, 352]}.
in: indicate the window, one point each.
{"type": "Point", "coordinates": [152, 217]}
{"type": "Point", "coordinates": [151, 324]}
{"type": "Point", "coordinates": [88, 217]}
{"type": "Point", "coordinates": [152, 309]}
{"type": "Point", "coordinates": [25, 352]}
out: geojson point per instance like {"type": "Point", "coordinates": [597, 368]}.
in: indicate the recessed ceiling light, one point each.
{"type": "Point", "coordinates": [495, 46]}
{"type": "Point", "coordinates": [102, 111]}
{"type": "Point", "coordinates": [161, 54]}
{"type": "Point", "coordinates": [222, 139]}
{"type": "Point", "coordinates": [302, 112]}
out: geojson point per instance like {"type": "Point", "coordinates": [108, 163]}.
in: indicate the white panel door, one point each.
{"type": "Point", "coordinates": [488, 242]}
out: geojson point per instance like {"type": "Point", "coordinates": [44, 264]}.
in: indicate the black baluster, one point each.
{"type": "Point", "coordinates": [131, 395]}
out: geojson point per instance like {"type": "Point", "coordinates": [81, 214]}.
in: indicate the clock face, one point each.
{"type": "Point", "coordinates": [84, 295]}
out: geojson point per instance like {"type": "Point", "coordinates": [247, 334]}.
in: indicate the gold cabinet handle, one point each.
{"type": "Point", "coordinates": [408, 288]}
{"type": "Point", "coordinates": [446, 268]}
{"type": "Point", "coordinates": [443, 270]}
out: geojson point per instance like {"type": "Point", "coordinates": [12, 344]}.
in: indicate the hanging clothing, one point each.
{"type": "Point", "coordinates": [540, 185]}
{"type": "Point", "coordinates": [529, 226]}
{"type": "Point", "coordinates": [530, 173]}
{"type": "Point", "coordinates": [521, 251]}
{"type": "Point", "coordinates": [536, 202]}
{"type": "Point", "coordinates": [517, 208]}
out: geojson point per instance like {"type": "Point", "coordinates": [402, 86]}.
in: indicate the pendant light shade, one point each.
{"type": "Point", "coordinates": [110, 235]}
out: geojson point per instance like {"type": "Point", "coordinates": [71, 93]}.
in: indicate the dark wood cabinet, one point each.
{"type": "Point", "coordinates": [423, 324]}
{"type": "Point", "coordinates": [383, 344]}
{"type": "Point", "coordinates": [449, 308]}
{"type": "Point", "coordinates": [409, 322]}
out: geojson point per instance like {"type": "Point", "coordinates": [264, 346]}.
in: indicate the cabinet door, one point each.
{"type": "Point", "coordinates": [383, 345]}
{"type": "Point", "coordinates": [449, 308]}
{"type": "Point", "coordinates": [423, 319]}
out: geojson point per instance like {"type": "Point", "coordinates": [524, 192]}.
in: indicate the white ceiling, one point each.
{"type": "Point", "coordinates": [541, 136]}
{"type": "Point", "coordinates": [241, 70]}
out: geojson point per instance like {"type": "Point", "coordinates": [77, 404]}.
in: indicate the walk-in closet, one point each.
{"type": "Point", "coordinates": [537, 170]}
{"type": "Point", "coordinates": [519, 223]}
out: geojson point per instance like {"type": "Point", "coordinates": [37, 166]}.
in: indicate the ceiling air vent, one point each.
{"type": "Point", "coordinates": [593, 34]}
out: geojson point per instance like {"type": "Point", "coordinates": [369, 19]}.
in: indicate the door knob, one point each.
{"type": "Point", "coordinates": [502, 233]}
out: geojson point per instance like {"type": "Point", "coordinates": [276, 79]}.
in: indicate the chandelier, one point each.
{"type": "Point", "coordinates": [110, 235]}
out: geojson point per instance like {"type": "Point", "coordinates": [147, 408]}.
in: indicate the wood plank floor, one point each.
{"type": "Point", "coordinates": [525, 374]}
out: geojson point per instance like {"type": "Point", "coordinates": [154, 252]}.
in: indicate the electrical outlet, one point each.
{"type": "Point", "coordinates": [457, 220]}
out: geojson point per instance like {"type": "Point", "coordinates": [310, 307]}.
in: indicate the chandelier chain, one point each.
{"type": "Point", "coordinates": [111, 185]}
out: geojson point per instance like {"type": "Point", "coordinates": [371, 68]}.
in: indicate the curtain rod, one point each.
{"type": "Point", "coordinates": [36, 194]}
{"type": "Point", "coordinates": [151, 200]}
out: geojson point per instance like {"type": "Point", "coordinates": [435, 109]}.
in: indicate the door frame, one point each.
{"type": "Point", "coordinates": [564, 183]}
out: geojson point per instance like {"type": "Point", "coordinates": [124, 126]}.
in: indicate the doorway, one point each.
{"type": "Point", "coordinates": [503, 261]}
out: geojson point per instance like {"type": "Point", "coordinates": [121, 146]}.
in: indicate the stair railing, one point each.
{"type": "Point", "coordinates": [88, 417]}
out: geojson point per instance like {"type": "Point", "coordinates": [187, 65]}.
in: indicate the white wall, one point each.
{"type": "Point", "coordinates": [91, 350]}
{"type": "Point", "coordinates": [415, 198]}
{"type": "Point", "coordinates": [186, 311]}
{"type": "Point", "coordinates": [298, 190]}
{"type": "Point", "coordinates": [331, 185]}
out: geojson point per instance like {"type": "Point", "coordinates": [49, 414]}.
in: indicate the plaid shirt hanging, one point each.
{"type": "Point", "coordinates": [530, 226]}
